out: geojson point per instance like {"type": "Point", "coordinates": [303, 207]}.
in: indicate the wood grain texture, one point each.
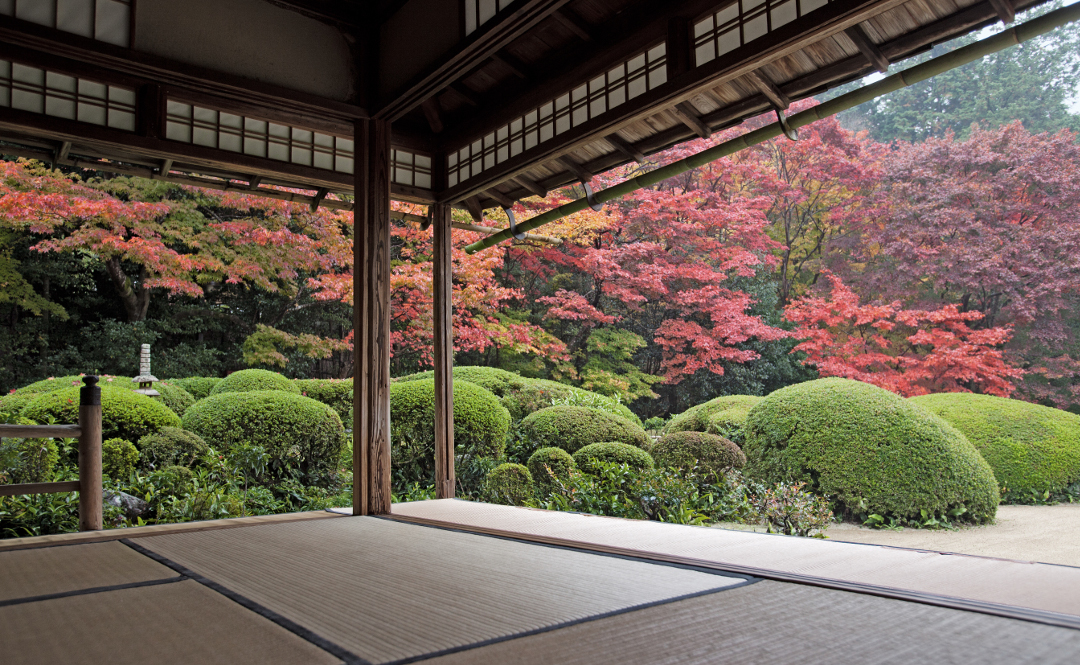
{"type": "Point", "coordinates": [443, 287]}
{"type": "Point", "coordinates": [39, 431]}
{"type": "Point", "coordinates": [371, 320]}
{"type": "Point", "coordinates": [39, 488]}
{"type": "Point", "coordinates": [90, 467]}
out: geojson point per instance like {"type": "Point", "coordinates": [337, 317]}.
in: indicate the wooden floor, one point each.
{"type": "Point", "coordinates": [458, 582]}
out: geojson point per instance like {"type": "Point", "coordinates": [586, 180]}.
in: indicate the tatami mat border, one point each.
{"type": "Point", "coordinates": [91, 590]}
{"type": "Point", "coordinates": [951, 602]}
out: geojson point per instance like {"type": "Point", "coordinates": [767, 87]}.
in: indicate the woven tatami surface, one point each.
{"type": "Point", "coordinates": [181, 623]}
{"type": "Point", "coordinates": [50, 570]}
{"type": "Point", "coordinates": [1036, 586]}
{"type": "Point", "coordinates": [388, 591]}
{"type": "Point", "coordinates": [774, 622]}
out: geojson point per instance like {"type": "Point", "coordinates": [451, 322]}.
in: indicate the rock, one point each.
{"type": "Point", "coordinates": [132, 506]}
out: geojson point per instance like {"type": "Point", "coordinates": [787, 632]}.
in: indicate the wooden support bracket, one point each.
{"type": "Point", "coordinates": [530, 185]}
{"type": "Point", "coordinates": [625, 148]}
{"type": "Point", "coordinates": [769, 89]}
{"type": "Point", "coordinates": [474, 207]}
{"type": "Point", "coordinates": [502, 199]}
{"type": "Point", "coordinates": [573, 167]}
{"type": "Point", "coordinates": [868, 48]}
{"type": "Point", "coordinates": [1004, 10]}
{"type": "Point", "coordinates": [431, 112]}
{"type": "Point", "coordinates": [685, 112]}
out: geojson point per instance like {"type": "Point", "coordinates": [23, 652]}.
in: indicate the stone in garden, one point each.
{"type": "Point", "coordinates": [132, 506]}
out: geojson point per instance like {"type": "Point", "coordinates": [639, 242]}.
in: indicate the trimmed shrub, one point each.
{"type": "Point", "coordinates": [12, 405]}
{"type": "Point", "coordinates": [496, 380]}
{"type": "Point", "coordinates": [172, 395]}
{"type": "Point", "coordinates": [124, 414]}
{"type": "Point", "coordinates": [610, 452]}
{"type": "Point", "coordinates": [292, 429]}
{"type": "Point", "coordinates": [1032, 449]}
{"type": "Point", "coordinates": [171, 446]}
{"type": "Point", "coordinates": [730, 424]}
{"type": "Point", "coordinates": [29, 460]}
{"type": "Point", "coordinates": [696, 418]}
{"type": "Point", "coordinates": [547, 464]}
{"type": "Point", "coordinates": [174, 480]}
{"type": "Point", "coordinates": [118, 458]}
{"type": "Point", "coordinates": [480, 426]}
{"type": "Point", "coordinates": [574, 427]}
{"type": "Point", "coordinates": [335, 393]}
{"type": "Point", "coordinates": [509, 484]}
{"type": "Point", "coordinates": [710, 454]}
{"type": "Point", "coordinates": [869, 450]}
{"type": "Point", "coordinates": [198, 386]}
{"type": "Point", "coordinates": [251, 380]}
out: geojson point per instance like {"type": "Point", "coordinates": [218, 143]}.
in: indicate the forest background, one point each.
{"type": "Point", "coordinates": [925, 242]}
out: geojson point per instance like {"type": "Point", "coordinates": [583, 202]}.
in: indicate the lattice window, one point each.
{"type": "Point", "coordinates": [411, 169]}
{"type": "Point", "coordinates": [630, 79]}
{"type": "Point", "coordinates": [104, 20]}
{"type": "Point", "coordinates": [479, 12]}
{"type": "Point", "coordinates": [188, 123]}
{"type": "Point", "coordinates": [41, 91]}
{"type": "Point", "coordinates": [742, 22]}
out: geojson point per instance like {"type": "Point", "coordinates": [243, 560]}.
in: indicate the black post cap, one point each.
{"type": "Point", "coordinates": [90, 394]}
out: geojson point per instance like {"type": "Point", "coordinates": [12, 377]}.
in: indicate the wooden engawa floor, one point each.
{"type": "Point", "coordinates": [457, 582]}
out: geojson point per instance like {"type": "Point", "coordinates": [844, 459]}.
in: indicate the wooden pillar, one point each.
{"type": "Point", "coordinates": [90, 455]}
{"type": "Point", "coordinates": [371, 320]}
{"type": "Point", "coordinates": [442, 283]}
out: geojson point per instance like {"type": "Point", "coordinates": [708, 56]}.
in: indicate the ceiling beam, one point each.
{"type": "Point", "coordinates": [572, 22]}
{"type": "Point", "coordinates": [769, 89]}
{"type": "Point", "coordinates": [473, 205]}
{"type": "Point", "coordinates": [533, 187]}
{"type": "Point", "coordinates": [1004, 9]}
{"type": "Point", "coordinates": [688, 115]}
{"type": "Point", "coordinates": [624, 147]}
{"type": "Point", "coordinates": [497, 196]}
{"type": "Point", "coordinates": [573, 167]}
{"type": "Point", "coordinates": [868, 48]}
{"type": "Point", "coordinates": [431, 112]}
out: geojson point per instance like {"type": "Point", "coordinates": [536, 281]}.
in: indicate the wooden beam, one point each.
{"type": "Point", "coordinates": [473, 205]}
{"type": "Point", "coordinates": [90, 499]}
{"type": "Point", "coordinates": [624, 147]}
{"type": "Point", "coordinates": [679, 50]}
{"type": "Point", "coordinates": [516, 67]}
{"type": "Point", "coordinates": [685, 112]}
{"type": "Point", "coordinates": [39, 431]}
{"type": "Point", "coordinates": [530, 185]}
{"type": "Point", "coordinates": [1004, 9]}
{"type": "Point", "coordinates": [769, 89]}
{"type": "Point", "coordinates": [500, 198]}
{"type": "Point", "coordinates": [460, 91]}
{"type": "Point", "coordinates": [573, 167]}
{"type": "Point", "coordinates": [371, 320]}
{"type": "Point", "coordinates": [443, 315]}
{"type": "Point", "coordinates": [39, 488]}
{"type": "Point", "coordinates": [63, 150]}
{"type": "Point", "coordinates": [431, 112]}
{"type": "Point", "coordinates": [868, 48]}
{"type": "Point", "coordinates": [572, 22]}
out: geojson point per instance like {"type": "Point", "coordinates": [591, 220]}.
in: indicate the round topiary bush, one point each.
{"type": "Point", "coordinates": [548, 464]}
{"type": "Point", "coordinates": [574, 427]}
{"type": "Point", "coordinates": [1032, 449]}
{"type": "Point", "coordinates": [198, 386]}
{"type": "Point", "coordinates": [118, 458]}
{"type": "Point", "coordinates": [293, 430]}
{"type": "Point", "coordinates": [170, 394]}
{"type": "Point", "coordinates": [696, 418]}
{"type": "Point", "coordinates": [173, 480]}
{"type": "Point", "coordinates": [509, 484]}
{"type": "Point", "coordinates": [124, 414]}
{"type": "Point", "coordinates": [250, 380]}
{"type": "Point", "coordinates": [587, 457]}
{"type": "Point", "coordinates": [171, 446]}
{"type": "Point", "coordinates": [335, 393]}
{"type": "Point", "coordinates": [709, 454]}
{"type": "Point", "coordinates": [174, 397]}
{"type": "Point", "coordinates": [12, 405]}
{"type": "Point", "coordinates": [480, 427]}
{"type": "Point", "coordinates": [869, 450]}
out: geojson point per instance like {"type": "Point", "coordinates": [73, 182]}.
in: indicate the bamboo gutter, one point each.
{"type": "Point", "coordinates": [959, 57]}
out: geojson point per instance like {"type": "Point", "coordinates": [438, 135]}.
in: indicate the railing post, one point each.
{"type": "Point", "coordinates": [90, 455]}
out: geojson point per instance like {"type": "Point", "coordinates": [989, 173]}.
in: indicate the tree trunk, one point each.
{"type": "Point", "coordinates": [136, 299]}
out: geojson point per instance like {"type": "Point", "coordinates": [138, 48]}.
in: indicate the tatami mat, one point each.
{"type": "Point", "coordinates": [774, 622]}
{"type": "Point", "coordinates": [183, 623]}
{"type": "Point", "coordinates": [1029, 585]}
{"type": "Point", "coordinates": [388, 591]}
{"type": "Point", "coordinates": [52, 570]}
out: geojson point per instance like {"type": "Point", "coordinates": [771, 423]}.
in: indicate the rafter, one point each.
{"type": "Point", "coordinates": [868, 48]}
{"type": "Point", "coordinates": [688, 115]}
{"type": "Point", "coordinates": [431, 113]}
{"type": "Point", "coordinates": [769, 89]}
{"type": "Point", "coordinates": [1004, 9]}
{"type": "Point", "coordinates": [530, 185]}
{"type": "Point", "coordinates": [573, 167]}
{"type": "Point", "coordinates": [572, 22]}
{"type": "Point", "coordinates": [625, 148]}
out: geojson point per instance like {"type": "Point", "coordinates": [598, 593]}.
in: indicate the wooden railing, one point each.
{"type": "Point", "coordinates": [88, 432]}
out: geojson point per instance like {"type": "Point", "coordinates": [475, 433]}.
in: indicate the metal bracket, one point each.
{"type": "Point", "coordinates": [590, 196]}
{"type": "Point", "coordinates": [789, 131]}
{"type": "Point", "coordinates": [518, 235]}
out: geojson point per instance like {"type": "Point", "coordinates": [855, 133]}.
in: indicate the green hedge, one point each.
{"type": "Point", "coordinates": [335, 393]}
{"type": "Point", "coordinates": [124, 414]}
{"type": "Point", "coordinates": [173, 395]}
{"type": "Point", "coordinates": [545, 463]}
{"type": "Point", "coordinates": [171, 446]}
{"type": "Point", "coordinates": [249, 380]}
{"type": "Point", "coordinates": [698, 418]}
{"type": "Point", "coordinates": [610, 452]}
{"type": "Point", "coordinates": [574, 427]}
{"type": "Point", "coordinates": [1032, 449]}
{"type": "Point", "coordinates": [11, 405]}
{"type": "Point", "coordinates": [27, 460]}
{"type": "Point", "coordinates": [198, 386]}
{"type": "Point", "coordinates": [480, 426]}
{"type": "Point", "coordinates": [293, 429]}
{"type": "Point", "coordinates": [870, 451]}
{"type": "Point", "coordinates": [118, 458]}
{"type": "Point", "coordinates": [710, 454]}
{"type": "Point", "coordinates": [509, 484]}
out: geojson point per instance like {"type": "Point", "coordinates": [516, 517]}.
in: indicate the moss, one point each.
{"type": "Point", "coordinates": [293, 430]}
{"type": "Point", "coordinates": [29, 460]}
{"type": "Point", "coordinates": [249, 380]}
{"type": "Point", "coordinates": [509, 484]}
{"type": "Point", "coordinates": [480, 426]}
{"type": "Point", "coordinates": [610, 452]}
{"type": "Point", "coordinates": [697, 418]}
{"type": "Point", "coordinates": [198, 386]}
{"type": "Point", "coordinates": [1032, 449]}
{"type": "Point", "coordinates": [124, 414]}
{"type": "Point", "coordinates": [869, 450]}
{"type": "Point", "coordinates": [548, 464]}
{"type": "Point", "coordinates": [335, 393]}
{"type": "Point", "coordinates": [118, 458]}
{"type": "Point", "coordinates": [171, 446]}
{"type": "Point", "coordinates": [711, 455]}
{"type": "Point", "coordinates": [574, 427]}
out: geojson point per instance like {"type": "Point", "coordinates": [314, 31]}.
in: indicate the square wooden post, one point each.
{"type": "Point", "coordinates": [442, 285]}
{"type": "Point", "coordinates": [90, 498]}
{"type": "Point", "coordinates": [371, 319]}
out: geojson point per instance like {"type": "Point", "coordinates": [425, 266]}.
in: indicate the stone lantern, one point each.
{"type": "Point", "coordinates": [145, 380]}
